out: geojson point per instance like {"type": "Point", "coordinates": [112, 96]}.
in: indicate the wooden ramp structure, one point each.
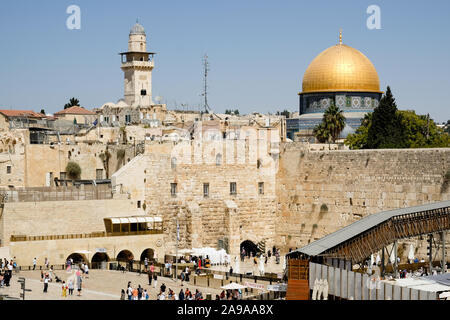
{"type": "Point", "coordinates": [298, 287]}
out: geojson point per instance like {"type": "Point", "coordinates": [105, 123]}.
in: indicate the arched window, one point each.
{"type": "Point", "coordinates": [218, 159]}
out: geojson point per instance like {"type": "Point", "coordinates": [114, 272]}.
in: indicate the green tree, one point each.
{"type": "Point", "coordinates": [72, 102]}
{"type": "Point", "coordinates": [385, 130]}
{"type": "Point", "coordinates": [73, 170]}
{"type": "Point", "coordinates": [321, 133]}
{"type": "Point", "coordinates": [420, 131]}
{"type": "Point", "coordinates": [417, 131]}
{"type": "Point", "coordinates": [284, 113]}
{"type": "Point", "coordinates": [236, 112]}
{"type": "Point", "coordinates": [358, 140]}
{"type": "Point", "coordinates": [42, 112]}
{"type": "Point", "coordinates": [333, 122]}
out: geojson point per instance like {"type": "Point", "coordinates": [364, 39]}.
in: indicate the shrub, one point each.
{"type": "Point", "coordinates": [73, 170]}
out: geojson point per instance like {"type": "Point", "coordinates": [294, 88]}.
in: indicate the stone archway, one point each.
{"type": "Point", "coordinates": [125, 259]}
{"type": "Point", "coordinates": [77, 258]}
{"type": "Point", "coordinates": [250, 248]}
{"type": "Point", "coordinates": [99, 260]}
{"type": "Point", "coordinates": [125, 256]}
{"type": "Point", "coordinates": [149, 254]}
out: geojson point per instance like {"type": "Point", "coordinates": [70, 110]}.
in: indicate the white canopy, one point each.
{"type": "Point", "coordinates": [141, 219]}
{"type": "Point", "coordinates": [233, 285]}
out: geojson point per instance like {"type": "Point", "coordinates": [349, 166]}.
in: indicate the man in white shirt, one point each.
{"type": "Point", "coordinates": [34, 264]}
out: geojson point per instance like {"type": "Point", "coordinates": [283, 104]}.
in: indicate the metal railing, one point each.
{"type": "Point", "coordinates": [17, 238]}
{"type": "Point", "coordinates": [37, 194]}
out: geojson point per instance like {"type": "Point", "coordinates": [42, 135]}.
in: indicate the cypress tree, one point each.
{"type": "Point", "coordinates": [386, 129]}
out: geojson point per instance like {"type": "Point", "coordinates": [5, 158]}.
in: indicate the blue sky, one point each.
{"type": "Point", "coordinates": [258, 50]}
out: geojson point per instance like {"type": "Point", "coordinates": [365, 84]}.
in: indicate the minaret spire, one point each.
{"type": "Point", "coordinates": [340, 36]}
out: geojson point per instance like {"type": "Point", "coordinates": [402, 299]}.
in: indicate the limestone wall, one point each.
{"type": "Point", "coordinates": [321, 192]}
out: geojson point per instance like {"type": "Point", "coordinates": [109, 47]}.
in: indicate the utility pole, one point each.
{"type": "Point", "coordinates": [205, 82]}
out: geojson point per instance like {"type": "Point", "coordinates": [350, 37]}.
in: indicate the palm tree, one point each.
{"type": "Point", "coordinates": [72, 102]}
{"type": "Point", "coordinates": [321, 133]}
{"type": "Point", "coordinates": [334, 121]}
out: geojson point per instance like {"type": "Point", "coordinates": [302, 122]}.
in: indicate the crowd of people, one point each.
{"type": "Point", "coordinates": [6, 271]}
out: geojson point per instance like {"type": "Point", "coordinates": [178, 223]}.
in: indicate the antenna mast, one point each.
{"type": "Point", "coordinates": [205, 87]}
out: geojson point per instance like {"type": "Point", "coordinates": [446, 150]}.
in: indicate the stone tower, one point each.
{"type": "Point", "coordinates": [137, 65]}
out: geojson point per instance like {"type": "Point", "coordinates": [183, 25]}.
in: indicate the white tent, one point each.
{"type": "Point", "coordinates": [372, 261]}
{"type": "Point", "coordinates": [378, 260]}
{"type": "Point", "coordinates": [411, 253]}
{"type": "Point", "coordinates": [233, 286]}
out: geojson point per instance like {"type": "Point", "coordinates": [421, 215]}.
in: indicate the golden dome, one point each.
{"type": "Point", "coordinates": [341, 68]}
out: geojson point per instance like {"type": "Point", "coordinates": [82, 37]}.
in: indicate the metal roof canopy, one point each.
{"type": "Point", "coordinates": [336, 238]}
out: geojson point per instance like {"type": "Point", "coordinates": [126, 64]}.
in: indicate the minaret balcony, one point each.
{"type": "Point", "coordinates": [141, 64]}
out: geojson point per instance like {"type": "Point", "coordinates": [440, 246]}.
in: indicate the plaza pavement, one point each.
{"type": "Point", "coordinates": [101, 285]}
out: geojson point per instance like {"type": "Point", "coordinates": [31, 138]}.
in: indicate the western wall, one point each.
{"type": "Point", "coordinates": [322, 191]}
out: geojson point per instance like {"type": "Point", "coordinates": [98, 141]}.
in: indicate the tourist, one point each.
{"type": "Point", "coordinates": [79, 280]}
{"type": "Point", "coordinates": [122, 295]}
{"type": "Point", "coordinates": [140, 291]}
{"type": "Point", "coordinates": [129, 291]}
{"type": "Point", "coordinates": [181, 295]}
{"type": "Point", "coordinates": [70, 287]}
{"type": "Point", "coordinates": [46, 263]}
{"type": "Point", "coordinates": [45, 283]}
{"type": "Point", "coordinates": [231, 270]}
{"type": "Point", "coordinates": [86, 270]}
{"type": "Point", "coordinates": [34, 263]}
{"type": "Point", "coordinates": [150, 276]}
{"type": "Point", "coordinates": [1, 278]}
{"type": "Point", "coordinates": [135, 294]}
{"type": "Point", "coordinates": [64, 289]}
{"type": "Point", "coordinates": [161, 296]}
{"type": "Point", "coordinates": [42, 276]}
{"type": "Point", "coordinates": [155, 280]}
{"type": "Point", "coordinates": [217, 297]}
{"type": "Point", "coordinates": [145, 264]}
{"type": "Point", "coordinates": [163, 287]}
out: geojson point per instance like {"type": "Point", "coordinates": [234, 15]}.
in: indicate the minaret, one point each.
{"type": "Point", "coordinates": [137, 65]}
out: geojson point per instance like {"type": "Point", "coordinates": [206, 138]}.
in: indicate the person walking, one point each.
{"type": "Point", "coordinates": [139, 292]}
{"type": "Point", "coordinates": [45, 283]}
{"type": "Point", "coordinates": [155, 280]}
{"type": "Point", "coordinates": [64, 289]}
{"type": "Point", "coordinates": [79, 280]}
{"type": "Point", "coordinates": [150, 276]}
{"type": "Point", "coordinates": [70, 287]}
{"type": "Point", "coordinates": [34, 263]}
{"type": "Point", "coordinates": [122, 295]}
{"type": "Point", "coordinates": [129, 291]}
{"type": "Point", "coordinates": [181, 295]}
{"type": "Point", "coordinates": [163, 288]}
{"type": "Point", "coordinates": [146, 264]}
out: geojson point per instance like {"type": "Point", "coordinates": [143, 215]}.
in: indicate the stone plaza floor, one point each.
{"type": "Point", "coordinates": [100, 285]}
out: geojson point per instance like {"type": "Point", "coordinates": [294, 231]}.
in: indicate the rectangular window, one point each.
{"type": "Point", "coordinates": [261, 187]}
{"type": "Point", "coordinates": [139, 203]}
{"type": "Point", "coordinates": [8, 169]}
{"type": "Point", "coordinates": [206, 190]}
{"type": "Point", "coordinates": [127, 118]}
{"type": "Point", "coordinates": [173, 189]}
{"type": "Point", "coordinates": [99, 174]}
{"type": "Point", "coordinates": [233, 188]}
